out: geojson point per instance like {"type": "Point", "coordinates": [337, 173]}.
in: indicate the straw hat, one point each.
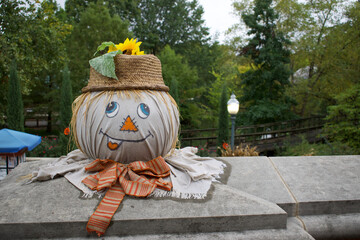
{"type": "Point", "coordinates": [135, 72]}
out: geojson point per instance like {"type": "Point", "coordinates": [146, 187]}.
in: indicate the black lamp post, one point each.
{"type": "Point", "coordinates": [233, 108]}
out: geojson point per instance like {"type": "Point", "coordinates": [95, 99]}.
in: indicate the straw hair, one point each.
{"type": "Point", "coordinates": [135, 72]}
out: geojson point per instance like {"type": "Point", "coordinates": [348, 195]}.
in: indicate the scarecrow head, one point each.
{"type": "Point", "coordinates": [132, 118]}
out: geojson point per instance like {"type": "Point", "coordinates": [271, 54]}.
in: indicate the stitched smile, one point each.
{"type": "Point", "coordinates": [115, 143]}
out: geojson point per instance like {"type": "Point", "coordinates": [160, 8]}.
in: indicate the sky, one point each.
{"type": "Point", "coordinates": [217, 15]}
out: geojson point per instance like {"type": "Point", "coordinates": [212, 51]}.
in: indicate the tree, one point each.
{"type": "Point", "coordinates": [264, 85]}
{"type": "Point", "coordinates": [323, 36]}
{"type": "Point", "coordinates": [319, 20]}
{"type": "Point", "coordinates": [15, 44]}
{"type": "Point", "coordinates": [125, 9]}
{"type": "Point", "coordinates": [174, 89]}
{"type": "Point", "coordinates": [223, 120]}
{"type": "Point", "coordinates": [49, 44]}
{"type": "Point", "coordinates": [15, 108]}
{"type": "Point", "coordinates": [66, 100]}
{"type": "Point", "coordinates": [33, 35]}
{"type": "Point", "coordinates": [226, 70]}
{"type": "Point", "coordinates": [96, 25]}
{"type": "Point", "coordinates": [344, 118]}
{"type": "Point", "coordinates": [175, 68]}
{"type": "Point", "coordinates": [173, 22]}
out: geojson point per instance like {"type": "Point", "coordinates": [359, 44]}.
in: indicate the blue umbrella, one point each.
{"type": "Point", "coordinates": [15, 144]}
{"type": "Point", "coordinates": [13, 141]}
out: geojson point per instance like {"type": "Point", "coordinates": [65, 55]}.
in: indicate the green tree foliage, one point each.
{"type": "Point", "coordinates": [324, 48]}
{"type": "Point", "coordinates": [173, 22]}
{"type": "Point", "coordinates": [66, 100]}
{"type": "Point", "coordinates": [324, 38]}
{"type": "Point", "coordinates": [49, 43]}
{"type": "Point", "coordinates": [174, 89]}
{"type": "Point", "coordinates": [203, 57]}
{"type": "Point", "coordinates": [126, 9]}
{"type": "Point", "coordinates": [15, 108]}
{"type": "Point", "coordinates": [15, 41]}
{"type": "Point", "coordinates": [264, 85]}
{"type": "Point", "coordinates": [175, 68]}
{"type": "Point", "coordinates": [96, 25]}
{"type": "Point", "coordinates": [12, 18]}
{"type": "Point", "coordinates": [226, 69]}
{"type": "Point", "coordinates": [223, 120]}
{"type": "Point", "coordinates": [33, 34]}
{"type": "Point", "coordinates": [344, 118]}
{"type": "Point", "coordinates": [304, 148]}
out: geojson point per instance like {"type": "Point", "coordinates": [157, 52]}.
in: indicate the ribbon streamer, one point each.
{"type": "Point", "coordinates": [137, 179]}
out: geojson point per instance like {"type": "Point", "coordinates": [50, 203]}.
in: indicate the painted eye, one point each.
{"type": "Point", "coordinates": [112, 109]}
{"type": "Point", "coordinates": [143, 110]}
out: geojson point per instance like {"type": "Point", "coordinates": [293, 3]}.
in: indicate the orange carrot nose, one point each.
{"type": "Point", "coordinates": [128, 125]}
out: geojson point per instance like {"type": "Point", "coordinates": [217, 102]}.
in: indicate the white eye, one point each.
{"type": "Point", "coordinates": [112, 109]}
{"type": "Point", "coordinates": [143, 110]}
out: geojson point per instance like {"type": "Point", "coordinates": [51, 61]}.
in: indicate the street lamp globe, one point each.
{"type": "Point", "coordinates": [233, 105]}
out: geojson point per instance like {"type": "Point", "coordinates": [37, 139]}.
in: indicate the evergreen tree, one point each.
{"type": "Point", "coordinates": [65, 108]}
{"type": "Point", "coordinates": [223, 118]}
{"type": "Point", "coordinates": [344, 118]}
{"type": "Point", "coordinates": [264, 84]}
{"type": "Point", "coordinates": [15, 108]}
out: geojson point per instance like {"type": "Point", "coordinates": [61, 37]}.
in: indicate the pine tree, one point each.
{"type": "Point", "coordinates": [223, 123]}
{"type": "Point", "coordinates": [15, 107]}
{"type": "Point", "coordinates": [264, 84]}
{"type": "Point", "coordinates": [65, 109]}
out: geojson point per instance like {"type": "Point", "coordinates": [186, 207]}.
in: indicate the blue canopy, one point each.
{"type": "Point", "coordinates": [13, 141]}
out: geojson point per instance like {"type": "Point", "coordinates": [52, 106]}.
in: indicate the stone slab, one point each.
{"type": "Point", "coordinates": [333, 226]}
{"type": "Point", "coordinates": [56, 209]}
{"type": "Point", "coordinates": [322, 184]}
{"type": "Point", "coordinates": [258, 177]}
{"type": "Point", "coordinates": [292, 232]}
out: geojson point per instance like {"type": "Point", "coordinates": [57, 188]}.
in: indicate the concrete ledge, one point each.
{"type": "Point", "coordinates": [300, 185]}
{"type": "Point", "coordinates": [346, 226]}
{"type": "Point", "coordinates": [257, 176]}
{"type": "Point", "coordinates": [292, 232]}
{"type": "Point", "coordinates": [322, 192]}
{"type": "Point", "coordinates": [322, 184]}
{"type": "Point", "coordinates": [46, 209]}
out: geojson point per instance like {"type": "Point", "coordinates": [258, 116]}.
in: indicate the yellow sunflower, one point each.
{"type": "Point", "coordinates": [112, 48]}
{"type": "Point", "coordinates": [130, 47]}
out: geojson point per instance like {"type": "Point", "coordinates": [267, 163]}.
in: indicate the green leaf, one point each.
{"type": "Point", "coordinates": [105, 64]}
{"type": "Point", "coordinates": [103, 46]}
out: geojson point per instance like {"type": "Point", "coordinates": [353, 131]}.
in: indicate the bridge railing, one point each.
{"type": "Point", "coordinates": [255, 134]}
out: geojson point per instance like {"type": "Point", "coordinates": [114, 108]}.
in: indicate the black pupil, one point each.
{"type": "Point", "coordinates": [110, 107]}
{"type": "Point", "coordinates": [146, 108]}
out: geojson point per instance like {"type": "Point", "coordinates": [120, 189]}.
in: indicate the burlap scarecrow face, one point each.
{"type": "Point", "coordinates": [127, 126]}
{"type": "Point", "coordinates": [132, 118]}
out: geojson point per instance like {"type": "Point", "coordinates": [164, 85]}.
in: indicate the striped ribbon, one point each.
{"type": "Point", "coordinates": [135, 179]}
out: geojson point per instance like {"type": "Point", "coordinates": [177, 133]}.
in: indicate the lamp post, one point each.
{"type": "Point", "coordinates": [233, 108]}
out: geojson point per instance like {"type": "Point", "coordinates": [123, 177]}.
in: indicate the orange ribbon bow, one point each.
{"type": "Point", "coordinates": [135, 179]}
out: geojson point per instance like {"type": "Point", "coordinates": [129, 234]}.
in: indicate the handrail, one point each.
{"type": "Point", "coordinates": [280, 123]}
{"type": "Point", "coordinates": [256, 134]}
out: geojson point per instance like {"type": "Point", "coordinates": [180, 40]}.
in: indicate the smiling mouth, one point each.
{"type": "Point", "coordinates": [115, 143]}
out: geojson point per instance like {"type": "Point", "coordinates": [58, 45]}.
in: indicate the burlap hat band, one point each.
{"type": "Point", "coordinates": [134, 72]}
{"type": "Point", "coordinates": [114, 88]}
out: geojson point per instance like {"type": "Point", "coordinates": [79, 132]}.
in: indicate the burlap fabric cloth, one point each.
{"type": "Point", "coordinates": [190, 175]}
